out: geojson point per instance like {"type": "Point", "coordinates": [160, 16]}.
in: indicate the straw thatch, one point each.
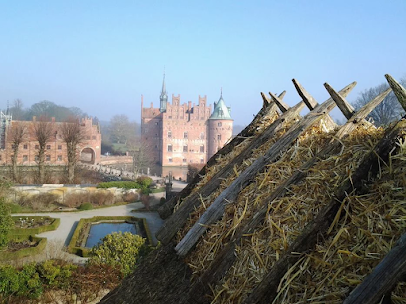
{"type": "Point", "coordinates": [309, 227]}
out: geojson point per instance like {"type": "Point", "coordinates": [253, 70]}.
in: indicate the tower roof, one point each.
{"type": "Point", "coordinates": [163, 92]}
{"type": "Point", "coordinates": [221, 111]}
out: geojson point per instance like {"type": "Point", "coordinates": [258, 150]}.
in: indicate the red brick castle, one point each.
{"type": "Point", "coordinates": [180, 134]}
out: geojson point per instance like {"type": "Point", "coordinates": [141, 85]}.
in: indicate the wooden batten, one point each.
{"type": "Point", "coordinates": [279, 102]}
{"type": "Point", "coordinates": [216, 209]}
{"type": "Point", "coordinates": [383, 278]}
{"type": "Point", "coordinates": [342, 104]}
{"type": "Point", "coordinates": [399, 90]}
{"type": "Point", "coordinates": [266, 291]}
{"type": "Point", "coordinates": [225, 259]}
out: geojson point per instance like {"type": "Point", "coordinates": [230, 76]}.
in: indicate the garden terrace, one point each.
{"type": "Point", "coordinates": [294, 210]}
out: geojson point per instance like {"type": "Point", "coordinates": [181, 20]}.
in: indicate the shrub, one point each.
{"type": "Point", "coordinates": [9, 281]}
{"type": "Point", "coordinates": [144, 181]}
{"type": "Point", "coordinates": [55, 274]}
{"type": "Point", "coordinates": [120, 184]}
{"type": "Point", "coordinates": [101, 198]}
{"type": "Point", "coordinates": [74, 200]}
{"type": "Point", "coordinates": [118, 250]}
{"type": "Point", "coordinates": [86, 206]}
{"type": "Point", "coordinates": [6, 223]}
{"type": "Point", "coordinates": [130, 197]}
{"type": "Point", "coordinates": [29, 282]}
{"type": "Point", "coordinates": [38, 201]}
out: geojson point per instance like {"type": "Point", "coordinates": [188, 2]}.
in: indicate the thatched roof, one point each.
{"type": "Point", "coordinates": [293, 210]}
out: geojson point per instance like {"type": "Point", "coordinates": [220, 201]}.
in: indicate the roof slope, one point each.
{"type": "Point", "coordinates": [300, 210]}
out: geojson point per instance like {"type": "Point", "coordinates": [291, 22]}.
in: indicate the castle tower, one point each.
{"type": "Point", "coordinates": [163, 98]}
{"type": "Point", "coordinates": [220, 127]}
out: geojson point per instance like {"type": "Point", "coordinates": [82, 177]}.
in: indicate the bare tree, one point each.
{"type": "Point", "coordinates": [43, 130]}
{"type": "Point", "coordinates": [16, 134]}
{"type": "Point", "coordinates": [73, 136]}
{"type": "Point", "coordinates": [386, 112]}
{"type": "Point", "coordinates": [17, 110]}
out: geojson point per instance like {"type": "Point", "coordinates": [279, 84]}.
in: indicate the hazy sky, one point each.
{"type": "Point", "coordinates": [101, 56]}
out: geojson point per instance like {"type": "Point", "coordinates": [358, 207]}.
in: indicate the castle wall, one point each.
{"type": "Point", "coordinates": [184, 132]}
{"type": "Point", "coordinates": [180, 136]}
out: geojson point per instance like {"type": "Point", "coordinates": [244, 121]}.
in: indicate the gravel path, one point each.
{"type": "Point", "coordinates": [60, 237]}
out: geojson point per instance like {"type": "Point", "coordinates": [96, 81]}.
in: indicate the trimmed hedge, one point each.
{"type": "Point", "coordinates": [32, 231]}
{"type": "Point", "coordinates": [41, 243]}
{"type": "Point", "coordinates": [120, 184]}
{"type": "Point", "coordinates": [83, 251]}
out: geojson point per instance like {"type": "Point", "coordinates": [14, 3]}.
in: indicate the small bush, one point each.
{"type": "Point", "coordinates": [86, 206]}
{"type": "Point", "coordinates": [118, 250]}
{"type": "Point", "coordinates": [101, 198]}
{"type": "Point", "coordinates": [130, 197]}
{"type": "Point", "coordinates": [74, 200]}
{"type": "Point", "coordinates": [144, 181]}
{"type": "Point", "coordinates": [41, 201]}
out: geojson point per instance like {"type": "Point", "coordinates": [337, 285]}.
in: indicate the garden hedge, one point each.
{"type": "Point", "coordinates": [41, 243]}
{"type": "Point", "coordinates": [32, 231]}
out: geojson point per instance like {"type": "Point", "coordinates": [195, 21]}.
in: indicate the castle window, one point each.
{"type": "Point", "coordinates": [170, 160]}
{"type": "Point", "coordinates": [0, 157]}
{"type": "Point", "coordinates": [36, 147]}
{"type": "Point", "coordinates": [93, 137]}
{"type": "Point", "coordinates": [25, 146]}
{"type": "Point", "coordinates": [202, 135]}
{"type": "Point", "coordinates": [169, 148]}
{"type": "Point", "coordinates": [48, 147]}
{"type": "Point", "coordinates": [59, 147]}
{"type": "Point", "coordinates": [48, 157]}
{"type": "Point", "coordinates": [219, 124]}
{"type": "Point", "coordinates": [25, 158]}
{"type": "Point", "coordinates": [185, 136]}
{"type": "Point", "coordinates": [88, 137]}
{"type": "Point", "coordinates": [202, 149]}
{"type": "Point", "coordinates": [201, 160]}
{"type": "Point", "coordinates": [185, 148]}
{"type": "Point", "coordinates": [36, 158]}
{"type": "Point", "coordinates": [59, 158]}
{"type": "Point", "coordinates": [184, 160]}
{"type": "Point", "coordinates": [169, 134]}
{"type": "Point", "coordinates": [218, 136]}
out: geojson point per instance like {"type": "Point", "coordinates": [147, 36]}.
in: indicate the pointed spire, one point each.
{"type": "Point", "coordinates": [164, 96]}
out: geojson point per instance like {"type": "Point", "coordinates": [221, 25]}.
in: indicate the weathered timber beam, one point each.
{"type": "Point", "coordinates": [342, 104]}
{"type": "Point", "coordinates": [279, 102]}
{"type": "Point", "coordinates": [179, 218]}
{"type": "Point", "coordinates": [398, 89]}
{"type": "Point", "coordinates": [225, 259]}
{"type": "Point", "coordinates": [308, 99]}
{"type": "Point", "coordinates": [312, 103]}
{"type": "Point", "coordinates": [266, 99]}
{"type": "Point", "coordinates": [268, 110]}
{"type": "Point", "coordinates": [266, 291]}
{"type": "Point", "coordinates": [383, 278]}
{"type": "Point", "coordinates": [216, 209]}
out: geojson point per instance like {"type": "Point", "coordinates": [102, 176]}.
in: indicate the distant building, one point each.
{"type": "Point", "coordinates": [56, 150]}
{"type": "Point", "coordinates": [180, 134]}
